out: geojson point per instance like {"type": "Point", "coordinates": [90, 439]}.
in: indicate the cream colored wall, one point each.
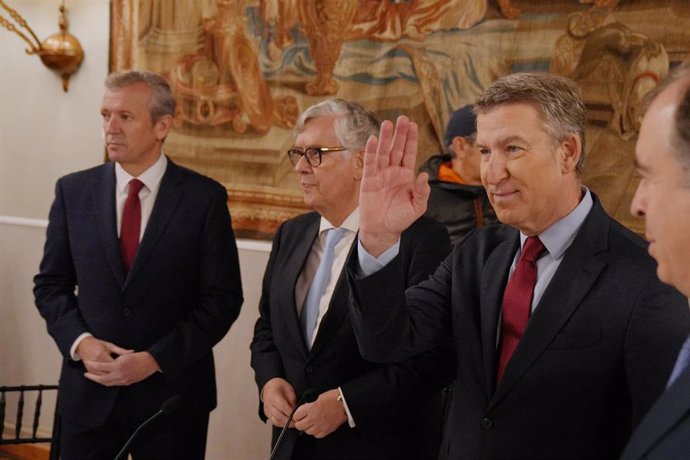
{"type": "Point", "coordinates": [46, 133]}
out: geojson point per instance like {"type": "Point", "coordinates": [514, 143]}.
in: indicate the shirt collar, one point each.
{"type": "Point", "coordinates": [351, 222]}
{"type": "Point", "coordinates": [559, 236]}
{"type": "Point", "coordinates": [150, 178]}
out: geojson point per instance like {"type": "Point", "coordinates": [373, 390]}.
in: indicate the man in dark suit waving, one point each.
{"type": "Point", "coordinates": [304, 339]}
{"type": "Point", "coordinates": [663, 198]}
{"type": "Point", "coordinates": [139, 280]}
{"type": "Point", "coordinates": [564, 335]}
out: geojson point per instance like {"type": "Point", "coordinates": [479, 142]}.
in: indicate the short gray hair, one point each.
{"type": "Point", "coordinates": [557, 99]}
{"type": "Point", "coordinates": [353, 125]}
{"type": "Point", "coordinates": [681, 128]}
{"type": "Point", "coordinates": [162, 100]}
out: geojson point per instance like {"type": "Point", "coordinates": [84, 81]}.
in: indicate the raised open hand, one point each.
{"type": "Point", "coordinates": [391, 196]}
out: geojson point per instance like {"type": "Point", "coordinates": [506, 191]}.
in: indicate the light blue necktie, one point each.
{"type": "Point", "coordinates": [310, 310]}
{"type": "Point", "coordinates": [682, 363]}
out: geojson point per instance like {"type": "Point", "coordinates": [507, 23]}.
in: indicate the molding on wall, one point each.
{"type": "Point", "coordinates": [245, 245]}
{"type": "Point", "coordinates": [23, 221]}
{"type": "Point", "coordinates": [254, 245]}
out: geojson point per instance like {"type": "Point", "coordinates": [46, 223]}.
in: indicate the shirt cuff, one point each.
{"type": "Point", "coordinates": [73, 349]}
{"type": "Point", "coordinates": [350, 419]}
{"type": "Point", "coordinates": [368, 264]}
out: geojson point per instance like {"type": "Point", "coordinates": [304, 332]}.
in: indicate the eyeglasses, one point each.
{"type": "Point", "coordinates": [312, 154]}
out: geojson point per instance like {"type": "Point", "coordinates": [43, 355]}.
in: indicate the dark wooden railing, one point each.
{"type": "Point", "coordinates": [24, 392]}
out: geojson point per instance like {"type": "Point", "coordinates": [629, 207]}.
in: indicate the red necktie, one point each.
{"type": "Point", "coordinates": [131, 224]}
{"type": "Point", "coordinates": [517, 300]}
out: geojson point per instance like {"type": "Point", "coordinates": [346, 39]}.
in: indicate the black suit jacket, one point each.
{"type": "Point", "coordinates": [596, 353]}
{"type": "Point", "coordinates": [178, 300]}
{"type": "Point", "coordinates": [664, 433]}
{"type": "Point", "coordinates": [386, 401]}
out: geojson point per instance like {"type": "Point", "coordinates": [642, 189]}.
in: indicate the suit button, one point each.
{"type": "Point", "coordinates": [487, 424]}
{"type": "Point", "coordinates": [309, 369]}
{"type": "Point", "coordinates": [126, 311]}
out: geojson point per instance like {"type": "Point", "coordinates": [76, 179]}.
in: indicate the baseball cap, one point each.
{"type": "Point", "coordinates": [462, 123]}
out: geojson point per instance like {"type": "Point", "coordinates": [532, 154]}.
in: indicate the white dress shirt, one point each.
{"type": "Point", "coordinates": [151, 179]}
{"type": "Point", "coordinates": [340, 252]}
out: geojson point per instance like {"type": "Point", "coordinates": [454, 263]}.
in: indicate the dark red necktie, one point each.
{"type": "Point", "coordinates": [131, 224]}
{"type": "Point", "coordinates": [517, 300]}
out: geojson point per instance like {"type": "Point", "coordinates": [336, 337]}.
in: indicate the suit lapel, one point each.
{"type": "Point", "coordinates": [104, 207]}
{"type": "Point", "coordinates": [169, 195]}
{"type": "Point", "coordinates": [493, 281]}
{"type": "Point", "coordinates": [573, 279]}
{"type": "Point", "coordinates": [671, 407]}
{"type": "Point", "coordinates": [291, 271]}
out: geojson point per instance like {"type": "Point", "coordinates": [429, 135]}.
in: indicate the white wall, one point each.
{"type": "Point", "coordinates": [46, 133]}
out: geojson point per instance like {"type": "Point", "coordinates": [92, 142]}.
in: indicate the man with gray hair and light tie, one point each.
{"type": "Point", "coordinates": [303, 341]}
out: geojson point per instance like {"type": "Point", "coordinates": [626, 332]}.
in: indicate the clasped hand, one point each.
{"type": "Point", "coordinates": [111, 365]}
{"type": "Point", "coordinates": [322, 417]}
{"type": "Point", "coordinates": [318, 419]}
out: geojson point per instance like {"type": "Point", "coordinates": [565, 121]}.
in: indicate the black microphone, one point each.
{"type": "Point", "coordinates": [308, 396]}
{"type": "Point", "coordinates": [168, 407]}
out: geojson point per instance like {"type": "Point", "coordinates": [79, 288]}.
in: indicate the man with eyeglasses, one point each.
{"type": "Point", "coordinates": [303, 339]}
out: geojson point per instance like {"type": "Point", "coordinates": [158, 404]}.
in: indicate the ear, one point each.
{"type": "Point", "coordinates": [571, 151]}
{"type": "Point", "coordinates": [358, 164]}
{"type": "Point", "coordinates": [460, 147]}
{"type": "Point", "coordinates": [163, 126]}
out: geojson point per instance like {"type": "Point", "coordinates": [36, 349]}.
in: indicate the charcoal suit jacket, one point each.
{"type": "Point", "coordinates": [178, 300]}
{"type": "Point", "coordinates": [392, 406]}
{"type": "Point", "coordinates": [595, 355]}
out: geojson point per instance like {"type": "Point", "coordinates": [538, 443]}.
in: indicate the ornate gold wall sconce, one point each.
{"type": "Point", "coordinates": [60, 52]}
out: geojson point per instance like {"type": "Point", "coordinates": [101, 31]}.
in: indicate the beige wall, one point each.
{"type": "Point", "coordinates": [46, 133]}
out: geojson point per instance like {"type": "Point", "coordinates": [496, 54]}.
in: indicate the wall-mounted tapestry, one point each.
{"type": "Point", "coordinates": [243, 70]}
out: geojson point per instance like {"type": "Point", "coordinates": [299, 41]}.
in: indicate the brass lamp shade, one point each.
{"type": "Point", "coordinates": [62, 53]}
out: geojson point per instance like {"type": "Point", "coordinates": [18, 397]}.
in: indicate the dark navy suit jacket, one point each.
{"type": "Point", "coordinates": [178, 300]}
{"type": "Point", "coordinates": [664, 433]}
{"type": "Point", "coordinates": [595, 355]}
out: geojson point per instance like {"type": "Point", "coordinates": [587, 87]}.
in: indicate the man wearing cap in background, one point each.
{"type": "Point", "coordinates": [457, 198]}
